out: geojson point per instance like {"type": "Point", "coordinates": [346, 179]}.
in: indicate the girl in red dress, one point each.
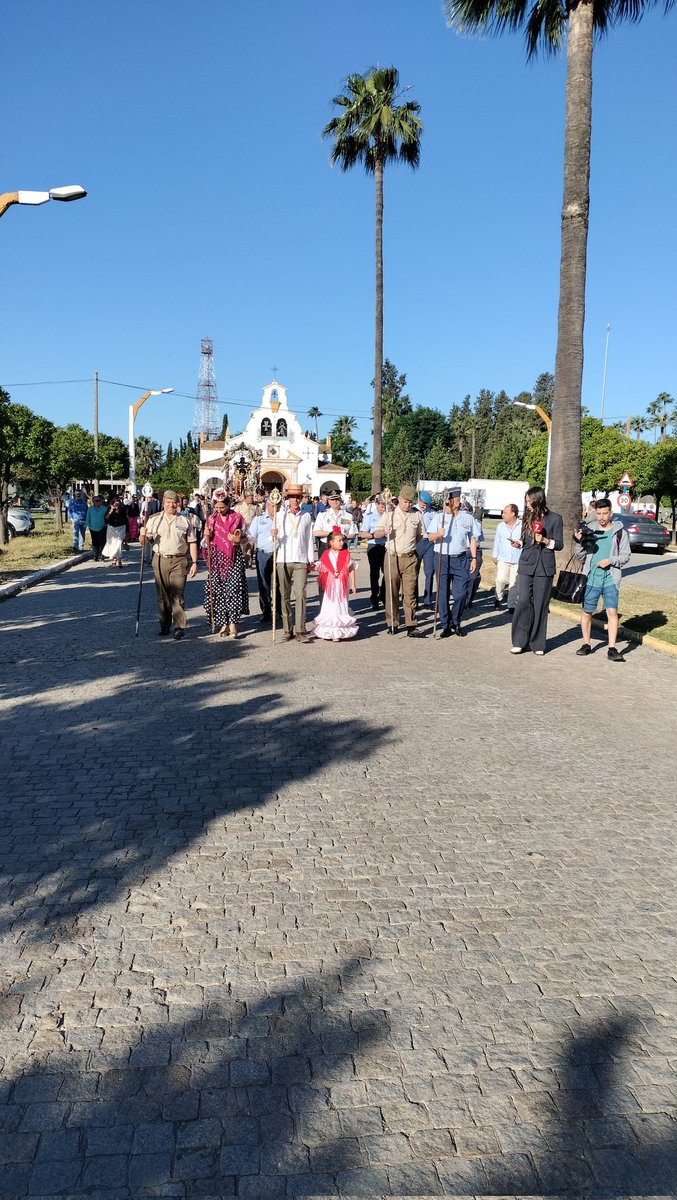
{"type": "Point", "coordinates": [336, 570]}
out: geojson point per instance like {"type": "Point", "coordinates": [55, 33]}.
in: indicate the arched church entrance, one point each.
{"type": "Point", "coordinates": [271, 479]}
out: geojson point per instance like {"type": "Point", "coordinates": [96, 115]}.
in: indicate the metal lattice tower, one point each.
{"type": "Point", "coordinates": [206, 422]}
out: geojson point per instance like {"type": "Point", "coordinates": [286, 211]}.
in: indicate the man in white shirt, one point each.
{"type": "Point", "coordinates": [505, 555]}
{"type": "Point", "coordinates": [334, 515]}
{"type": "Point", "coordinates": [295, 554]}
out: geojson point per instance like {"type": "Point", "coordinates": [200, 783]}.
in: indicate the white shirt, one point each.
{"type": "Point", "coordinates": [295, 537]}
{"type": "Point", "coordinates": [325, 522]}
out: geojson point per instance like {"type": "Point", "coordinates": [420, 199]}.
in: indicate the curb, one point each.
{"type": "Point", "coordinates": [7, 590]}
{"type": "Point", "coordinates": [642, 639]}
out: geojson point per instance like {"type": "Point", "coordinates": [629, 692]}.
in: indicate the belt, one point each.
{"type": "Point", "coordinates": [171, 555]}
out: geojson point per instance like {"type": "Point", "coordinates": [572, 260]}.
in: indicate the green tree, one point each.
{"type": "Point", "coordinates": [399, 464]}
{"type": "Point", "coordinates": [423, 427]}
{"type": "Point", "coordinates": [24, 444]}
{"type": "Point", "coordinates": [544, 392]}
{"type": "Point", "coordinates": [148, 457]}
{"type": "Point", "coordinates": [535, 461]}
{"type": "Point", "coordinates": [658, 413]}
{"type": "Point", "coordinates": [374, 130]}
{"type": "Point", "coordinates": [113, 460]}
{"type": "Point", "coordinates": [344, 448]}
{"type": "Point", "coordinates": [394, 401]}
{"type": "Point", "coordinates": [359, 479]}
{"type": "Point", "coordinates": [507, 459]}
{"type": "Point", "coordinates": [442, 463]}
{"type": "Point", "coordinates": [660, 479]}
{"type": "Point", "coordinates": [71, 458]}
{"type": "Point", "coordinates": [639, 425]}
{"type": "Point", "coordinates": [223, 434]}
{"type": "Point", "coordinates": [315, 414]}
{"type": "Point", "coordinates": [547, 24]}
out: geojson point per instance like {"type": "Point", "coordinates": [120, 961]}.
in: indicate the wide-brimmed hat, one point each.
{"type": "Point", "coordinates": [295, 490]}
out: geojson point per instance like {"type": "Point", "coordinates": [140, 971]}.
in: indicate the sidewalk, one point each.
{"type": "Point", "coordinates": [381, 918]}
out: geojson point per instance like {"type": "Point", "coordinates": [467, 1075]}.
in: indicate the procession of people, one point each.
{"type": "Point", "coordinates": [420, 558]}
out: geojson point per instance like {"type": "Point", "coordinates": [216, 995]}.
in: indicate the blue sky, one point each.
{"type": "Point", "coordinates": [213, 211]}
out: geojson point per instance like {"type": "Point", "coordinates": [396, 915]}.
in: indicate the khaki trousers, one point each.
{"type": "Point", "coordinates": [506, 574]}
{"type": "Point", "coordinates": [296, 573]}
{"type": "Point", "coordinates": [171, 573]}
{"type": "Point", "coordinates": [401, 572]}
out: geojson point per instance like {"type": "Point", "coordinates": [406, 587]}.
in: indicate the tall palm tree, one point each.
{"type": "Point", "coordinates": [344, 426]}
{"type": "Point", "coordinates": [374, 130]}
{"type": "Point", "coordinates": [315, 413]}
{"type": "Point", "coordinates": [638, 426]}
{"type": "Point", "coordinates": [659, 413]}
{"type": "Point", "coordinates": [546, 24]}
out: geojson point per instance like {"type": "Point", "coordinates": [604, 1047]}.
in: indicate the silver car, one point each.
{"type": "Point", "coordinates": [19, 521]}
{"type": "Point", "coordinates": [645, 533]}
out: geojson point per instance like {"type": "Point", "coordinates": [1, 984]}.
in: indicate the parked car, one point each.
{"type": "Point", "coordinates": [19, 521]}
{"type": "Point", "coordinates": [645, 533]}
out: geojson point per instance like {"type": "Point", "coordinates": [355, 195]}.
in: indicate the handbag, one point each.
{"type": "Point", "coordinates": [571, 585]}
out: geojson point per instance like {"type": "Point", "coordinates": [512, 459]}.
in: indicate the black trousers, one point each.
{"type": "Point", "coordinates": [376, 556]}
{"type": "Point", "coordinates": [98, 537]}
{"type": "Point", "coordinates": [530, 618]}
{"type": "Point", "coordinates": [264, 576]}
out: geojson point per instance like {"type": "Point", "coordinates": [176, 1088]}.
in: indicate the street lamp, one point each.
{"type": "Point", "coordinates": [72, 192]}
{"type": "Point", "coordinates": [133, 410]}
{"type": "Point", "coordinates": [547, 420]}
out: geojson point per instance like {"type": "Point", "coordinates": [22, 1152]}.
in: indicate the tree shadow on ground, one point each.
{"type": "Point", "coordinates": [269, 1097]}
{"type": "Point", "coordinates": [119, 752]}
{"type": "Point", "coordinates": [646, 622]}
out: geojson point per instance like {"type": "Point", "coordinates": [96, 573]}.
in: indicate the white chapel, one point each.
{"type": "Point", "coordinates": [272, 451]}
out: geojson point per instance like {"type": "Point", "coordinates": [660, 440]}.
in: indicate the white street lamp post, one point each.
{"type": "Point", "coordinates": [133, 410]}
{"type": "Point", "coordinates": [548, 424]}
{"type": "Point", "coordinates": [72, 192]}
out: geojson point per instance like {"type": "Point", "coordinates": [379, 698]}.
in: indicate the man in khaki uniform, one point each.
{"type": "Point", "coordinates": [403, 529]}
{"type": "Point", "coordinates": [171, 535]}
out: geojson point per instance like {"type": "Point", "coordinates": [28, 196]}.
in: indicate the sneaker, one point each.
{"type": "Point", "coordinates": [515, 649]}
{"type": "Point", "coordinates": [586, 648]}
{"type": "Point", "coordinates": [614, 654]}
{"type": "Point", "coordinates": [540, 653]}
{"type": "Point", "coordinates": [178, 634]}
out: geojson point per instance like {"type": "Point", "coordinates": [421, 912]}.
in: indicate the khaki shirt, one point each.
{"type": "Point", "coordinates": [403, 530]}
{"type": "Point", "coordinates": [170, 535]}
{"type": "Point", "coordinates": [248, 511]}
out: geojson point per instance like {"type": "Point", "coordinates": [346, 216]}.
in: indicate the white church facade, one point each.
{"type": "Point", "coordinates": [272, 451]}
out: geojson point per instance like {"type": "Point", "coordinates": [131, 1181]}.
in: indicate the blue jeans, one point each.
{"type": "Point", "coordinates": [79, 527]}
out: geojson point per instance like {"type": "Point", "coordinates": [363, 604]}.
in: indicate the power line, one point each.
{"type": "Point", "coordinates": [227, 401]}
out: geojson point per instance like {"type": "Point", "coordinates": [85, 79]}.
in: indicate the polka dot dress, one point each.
{"type": "Point", "coordinates": [229, 588]}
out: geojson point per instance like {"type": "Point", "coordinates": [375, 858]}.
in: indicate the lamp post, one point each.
{"type": "Point", "coordinates": [547, 420]}
{"type": "Point", "coordinates": [606, 361]}
{"type": "Point", "coordinates": [133, 410]}
{"type": "Point", "coordinates": [72, 192]}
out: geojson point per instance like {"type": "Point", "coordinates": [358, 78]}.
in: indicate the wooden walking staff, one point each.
{"type": "Point", "coordinates": [387, 497]}
{"type": "Point", "coordinates": [445, 497]}
{"type": "Point", "coordinates": [138, 603]}
{"type": "Point", "coordinates": [274, 498]}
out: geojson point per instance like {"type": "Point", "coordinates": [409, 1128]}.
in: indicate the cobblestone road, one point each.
{"type": "Point", "coordinates": [385, 918]}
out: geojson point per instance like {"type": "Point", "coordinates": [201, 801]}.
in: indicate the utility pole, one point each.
{"type": "Point", "coordinates": [96, 425]}
{"type": "Point", "coordinates": [606, 359]}
{"type": "Point", "coordinates": [628, 419]}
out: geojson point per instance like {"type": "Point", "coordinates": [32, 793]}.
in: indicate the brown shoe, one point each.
{"type": "Point", "coordinates": [303, 637]}
{"type": "Point", "coordinates": [289, 637]}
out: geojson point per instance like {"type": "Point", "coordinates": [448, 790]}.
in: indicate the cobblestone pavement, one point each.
{"type": "Point", "coordinates": [390, 917]}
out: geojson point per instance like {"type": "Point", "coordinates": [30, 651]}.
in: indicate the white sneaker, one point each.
{"type": "Point", "coordinates": [515, 649]}
{"type": "Point", "coordinates": [540, 653]}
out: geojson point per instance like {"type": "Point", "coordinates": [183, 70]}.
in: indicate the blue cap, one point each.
{"type": "Point", "coordinates": [425, 497]}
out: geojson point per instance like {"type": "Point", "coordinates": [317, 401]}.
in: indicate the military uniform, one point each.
{"type": "Point", "coordinates": [171, 537]}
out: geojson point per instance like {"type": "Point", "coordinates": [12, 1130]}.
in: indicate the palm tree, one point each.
{"type": "Point", "coordinates": [374, 130]}
{"type": "Point", "coordinates": [315, 414]}
{"type": "Point", "coordinates": [546, 24]}
{"type": "Point", "coordinates": [659, 413]}
{"type": "Point", "coordinates": [638, 426]}
{"type": "Point", "coordinates": [148, 457]}
{"type": "Point", "coordinates": [344, 426]}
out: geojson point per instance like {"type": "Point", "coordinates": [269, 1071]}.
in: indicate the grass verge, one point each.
{"type": "Point", "coordinates": [23, 555]}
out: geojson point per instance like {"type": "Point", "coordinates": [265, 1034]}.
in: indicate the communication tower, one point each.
{"type": "Point", "coordinates": [206, 423]}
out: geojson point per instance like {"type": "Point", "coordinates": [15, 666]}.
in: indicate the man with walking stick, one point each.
{"type": "Point", "coordinates": [293, 540]}
{"type": "Point", "coordinates": [403, 529]}
{"type": "Point", "coordinates": [455, 541]}
{"type": "Point", "coordinates": [171, 536]}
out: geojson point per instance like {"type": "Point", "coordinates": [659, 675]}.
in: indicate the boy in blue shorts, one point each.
{"type": "Point", "coordinates": [604, 550]}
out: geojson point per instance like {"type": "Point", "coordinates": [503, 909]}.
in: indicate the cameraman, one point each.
{"type": "Point", "coordinates": [604, 548]}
